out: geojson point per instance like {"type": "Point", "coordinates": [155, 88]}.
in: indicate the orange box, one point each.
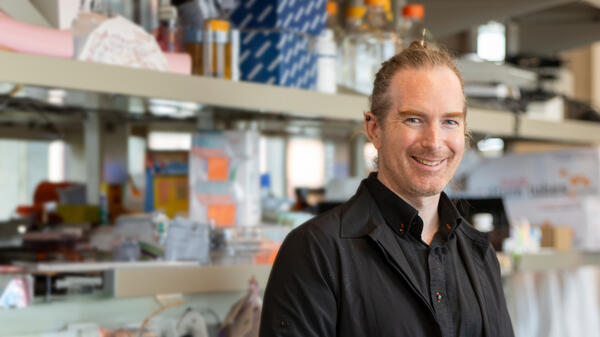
{"type": "Point", "coordinates": [171, 194]}
{"type": "Point", "coordinates": [218, 168]}
{"type": "Point", "coordinates": [222, 215]}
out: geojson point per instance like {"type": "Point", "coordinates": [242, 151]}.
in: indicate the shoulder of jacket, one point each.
{"type": "Point", "coordinates": [327, 223]}
{"type": "Point", "coordinates": [478, 239]}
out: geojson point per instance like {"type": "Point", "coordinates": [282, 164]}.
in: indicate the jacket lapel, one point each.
{"type": "Point", "coordinates": [384, 238]}
{"type": "Point", "coordinates": [360, 218]}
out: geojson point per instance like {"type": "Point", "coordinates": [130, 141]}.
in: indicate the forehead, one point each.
{"type": "Point", "coordinates": [427, 89]}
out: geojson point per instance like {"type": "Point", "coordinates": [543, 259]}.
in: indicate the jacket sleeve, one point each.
{"type": "Point", "coordinates": [504, 325]}
{"type": "Point", "coordinates": [300, 297]}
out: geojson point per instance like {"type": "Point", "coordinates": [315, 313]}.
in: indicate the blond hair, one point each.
{"type": "Point", "coordinates": [418, 55]}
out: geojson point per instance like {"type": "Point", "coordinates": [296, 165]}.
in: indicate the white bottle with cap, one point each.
{"type": "Point", "coordinates": [483, 222]}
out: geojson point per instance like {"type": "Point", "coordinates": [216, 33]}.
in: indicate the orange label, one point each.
{"type": "Point", "coordinates": [223, 215]}
{"type": "Point", "coordinates": [218, 168]}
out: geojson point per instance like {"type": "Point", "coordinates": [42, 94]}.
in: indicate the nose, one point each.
{"type": "Point", "coordinates": [431, 136]}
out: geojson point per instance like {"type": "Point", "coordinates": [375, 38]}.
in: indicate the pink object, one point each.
{"type": "Point", "coordinates": [22, 37]}
{"type": "Point", "coordinates": [180, 63]}
{"type": "Point", "coordinates": [26, 38]}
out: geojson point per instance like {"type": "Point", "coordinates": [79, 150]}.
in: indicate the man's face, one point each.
{"type": "Point", "coordinates": [422, 140]}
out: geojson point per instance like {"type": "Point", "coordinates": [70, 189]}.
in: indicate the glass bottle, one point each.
{"type": "Point", "coordinates": [379, 44]}
{"type": "Point", "coordinates": [352, 48]}
{"type": "Point", "coordinates": [167, 31]}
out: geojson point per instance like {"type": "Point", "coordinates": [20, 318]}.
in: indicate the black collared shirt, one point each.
{"type": "Point", "coordinates": [438, 268]}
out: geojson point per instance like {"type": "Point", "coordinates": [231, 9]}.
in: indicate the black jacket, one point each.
{"type": "Point", "coordinates": [342, 274]}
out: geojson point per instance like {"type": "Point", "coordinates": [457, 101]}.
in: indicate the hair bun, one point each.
{"type": "Point", "coordinates": [420, 44]}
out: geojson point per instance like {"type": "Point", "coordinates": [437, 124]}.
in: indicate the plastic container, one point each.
{"type": "Point", "coordinates": [217, 49]}
{"type": "Point", "coordinates": [194, 47]}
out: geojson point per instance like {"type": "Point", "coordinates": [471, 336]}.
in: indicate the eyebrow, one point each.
{"type": "Point", "coordinates": [457, 114]}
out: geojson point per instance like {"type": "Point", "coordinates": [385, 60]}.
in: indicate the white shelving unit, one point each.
{"type": "Point", "coordinates": [551, 260]}
{"type": "Point", "coordinates": [100, 78]}
{"type": "Point", "coordinates": [566, 131]}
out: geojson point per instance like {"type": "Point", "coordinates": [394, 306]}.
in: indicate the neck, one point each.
{"type": "Point", "coordinates": [427, 206]}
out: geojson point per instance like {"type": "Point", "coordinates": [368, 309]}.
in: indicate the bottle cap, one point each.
{"type": "Point", "coordinates": [332, 7]}
{"type": "Point", "coordinates": [375, 2]}
{"type": "Point", "coordinates": [219, 25]}
{"type": "Point", "coordinates": [414, 11]}
{"type": "Point", "coordinates": [356, 12]}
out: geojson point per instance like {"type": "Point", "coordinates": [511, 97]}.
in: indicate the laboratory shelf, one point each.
{"type": "Point", "coordinates": [73, 75]}
{"type": "Point", "coordinates": [491, 122]}
{"type": "Point", "coordinates": [134, 282]}
{"type": "Point", "coordinates": [564, 131]}
{"type": "Point", "coordinates": [42, 71]}
{"type": "Point", "coordinates": [59, 73]}
{"type": "Point", "coordinates": [552, 260]}
{"type": "Point", "coordinates": [134, 279]}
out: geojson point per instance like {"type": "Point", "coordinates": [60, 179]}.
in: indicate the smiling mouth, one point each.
{"type": "Point", "coordinates": [431, 163]}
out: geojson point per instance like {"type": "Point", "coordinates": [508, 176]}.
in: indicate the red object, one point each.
{"type": "Point", "coordinates": [414, 11]}
{"type": "Point", "coordinates": [44, 192]}
{"type": "Point", "coordinates": [47, 192]}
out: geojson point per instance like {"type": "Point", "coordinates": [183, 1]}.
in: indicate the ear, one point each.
{"type": "Point", "coordinates": [373, 128]}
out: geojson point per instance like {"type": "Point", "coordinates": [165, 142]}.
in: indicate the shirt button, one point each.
{"type": "Point", "coordinates": [284, 324]}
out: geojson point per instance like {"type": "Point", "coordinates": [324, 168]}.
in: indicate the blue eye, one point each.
{"type": "Point", "coordinates": [451, 122]}
{"type": "Point", "coordinates": [413, 120]}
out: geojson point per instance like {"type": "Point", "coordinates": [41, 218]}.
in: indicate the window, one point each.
{"type": "Point", "coordinates": [491, 41]}
{"type": "Point", "coordinates": [170, 141]}
{"type": "Point", "coordinates": [56, 161]}
{"type": "Point", "coordinates": [305, 164]}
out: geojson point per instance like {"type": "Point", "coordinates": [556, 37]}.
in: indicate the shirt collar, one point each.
{"type": "Point", "coordinates": [403, 218]}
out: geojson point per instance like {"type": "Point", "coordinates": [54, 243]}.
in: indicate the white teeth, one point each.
{"type": "Point", "coordinates": [428, 163]}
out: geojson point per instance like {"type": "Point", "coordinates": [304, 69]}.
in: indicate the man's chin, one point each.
{"type": "Point", "coordinates": [428, 191]}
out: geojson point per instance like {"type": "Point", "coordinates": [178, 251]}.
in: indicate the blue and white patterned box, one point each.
{"type": "Point", "coordinates": [278, 58]}
{"type": "Point", "coordinates": [306, 16]}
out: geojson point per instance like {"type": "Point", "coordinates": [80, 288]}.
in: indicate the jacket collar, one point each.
{"type": "Point", "coordinates": [361, 216]}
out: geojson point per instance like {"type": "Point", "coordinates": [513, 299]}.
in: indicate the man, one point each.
{"type": "Point", "coordinates": [397, 259]}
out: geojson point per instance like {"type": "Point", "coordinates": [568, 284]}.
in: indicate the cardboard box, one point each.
{"type": "Point", "coordinates": [278, 58]}
{"type": "Point", "coordinates": [558, 237]}
{"type": "Point", "coordinates": [306, 16]}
